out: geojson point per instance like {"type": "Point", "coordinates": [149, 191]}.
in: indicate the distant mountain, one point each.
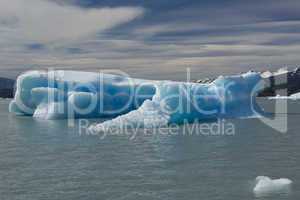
{"type": "Point", "coordinates": [6, 88]}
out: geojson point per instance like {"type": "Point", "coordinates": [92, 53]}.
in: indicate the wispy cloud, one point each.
{"type": "Point", "coordinates": [45, 21]}
{"type": "Point", "coordinates": [161, 39]}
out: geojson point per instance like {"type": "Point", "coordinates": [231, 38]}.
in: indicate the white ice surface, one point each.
{"type": "Point", "coordinates": [265, 185]}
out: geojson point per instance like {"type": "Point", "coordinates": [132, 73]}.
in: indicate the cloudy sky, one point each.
{"type": "Point", "coordinates": [149, 39]}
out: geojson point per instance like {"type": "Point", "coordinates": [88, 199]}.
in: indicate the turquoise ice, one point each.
{"type": "Point", "coordinates": [73, 94]}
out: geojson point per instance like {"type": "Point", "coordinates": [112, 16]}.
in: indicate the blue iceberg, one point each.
{"type": "Point", "coordinates": [73, 94]}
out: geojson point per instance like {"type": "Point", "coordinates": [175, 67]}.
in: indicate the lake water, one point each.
{"type": "Point", "coordinates": [49, 160]}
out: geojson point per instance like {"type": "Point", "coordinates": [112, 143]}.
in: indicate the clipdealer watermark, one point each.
{"type": "Point", "coordinates": [220, 127]}
{"type": "Point", "coordinates": [82, 99]}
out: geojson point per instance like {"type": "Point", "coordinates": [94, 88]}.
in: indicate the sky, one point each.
{"type": "Point", "coordinates": [155, 39]}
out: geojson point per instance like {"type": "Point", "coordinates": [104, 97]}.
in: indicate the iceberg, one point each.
{"type": "Point", "coordinates": [265, 185]}
{"type": "Point", "coordinates": [178, 102]}
{"type": "Point", "coordinates": [129, 101]}
{"type": "Point", "coordinates": [74, 94]}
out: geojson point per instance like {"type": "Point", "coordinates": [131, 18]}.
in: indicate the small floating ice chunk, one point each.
{"type": "Point", "coordinates": [265, 185]}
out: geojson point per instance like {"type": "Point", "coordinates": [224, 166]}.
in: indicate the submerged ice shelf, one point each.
{"type": "Point", "coordinates": [72, 94]}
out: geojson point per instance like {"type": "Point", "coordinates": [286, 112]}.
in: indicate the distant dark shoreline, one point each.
{"type": "Point", "coordinates": [282, 82]}
{"type": "Point", "coordinates": [6, 88]}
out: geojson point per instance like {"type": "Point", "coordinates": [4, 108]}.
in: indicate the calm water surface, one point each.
{"type": "Point", "coordinates": [47, 160]}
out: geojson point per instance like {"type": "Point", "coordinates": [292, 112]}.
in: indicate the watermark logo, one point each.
{"type": "Point", "coordinates": [112, 93]}
{"type": "Point", "coordinates": [278, 118]}
{"type": "Point", "coordinates": [219, 127]}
